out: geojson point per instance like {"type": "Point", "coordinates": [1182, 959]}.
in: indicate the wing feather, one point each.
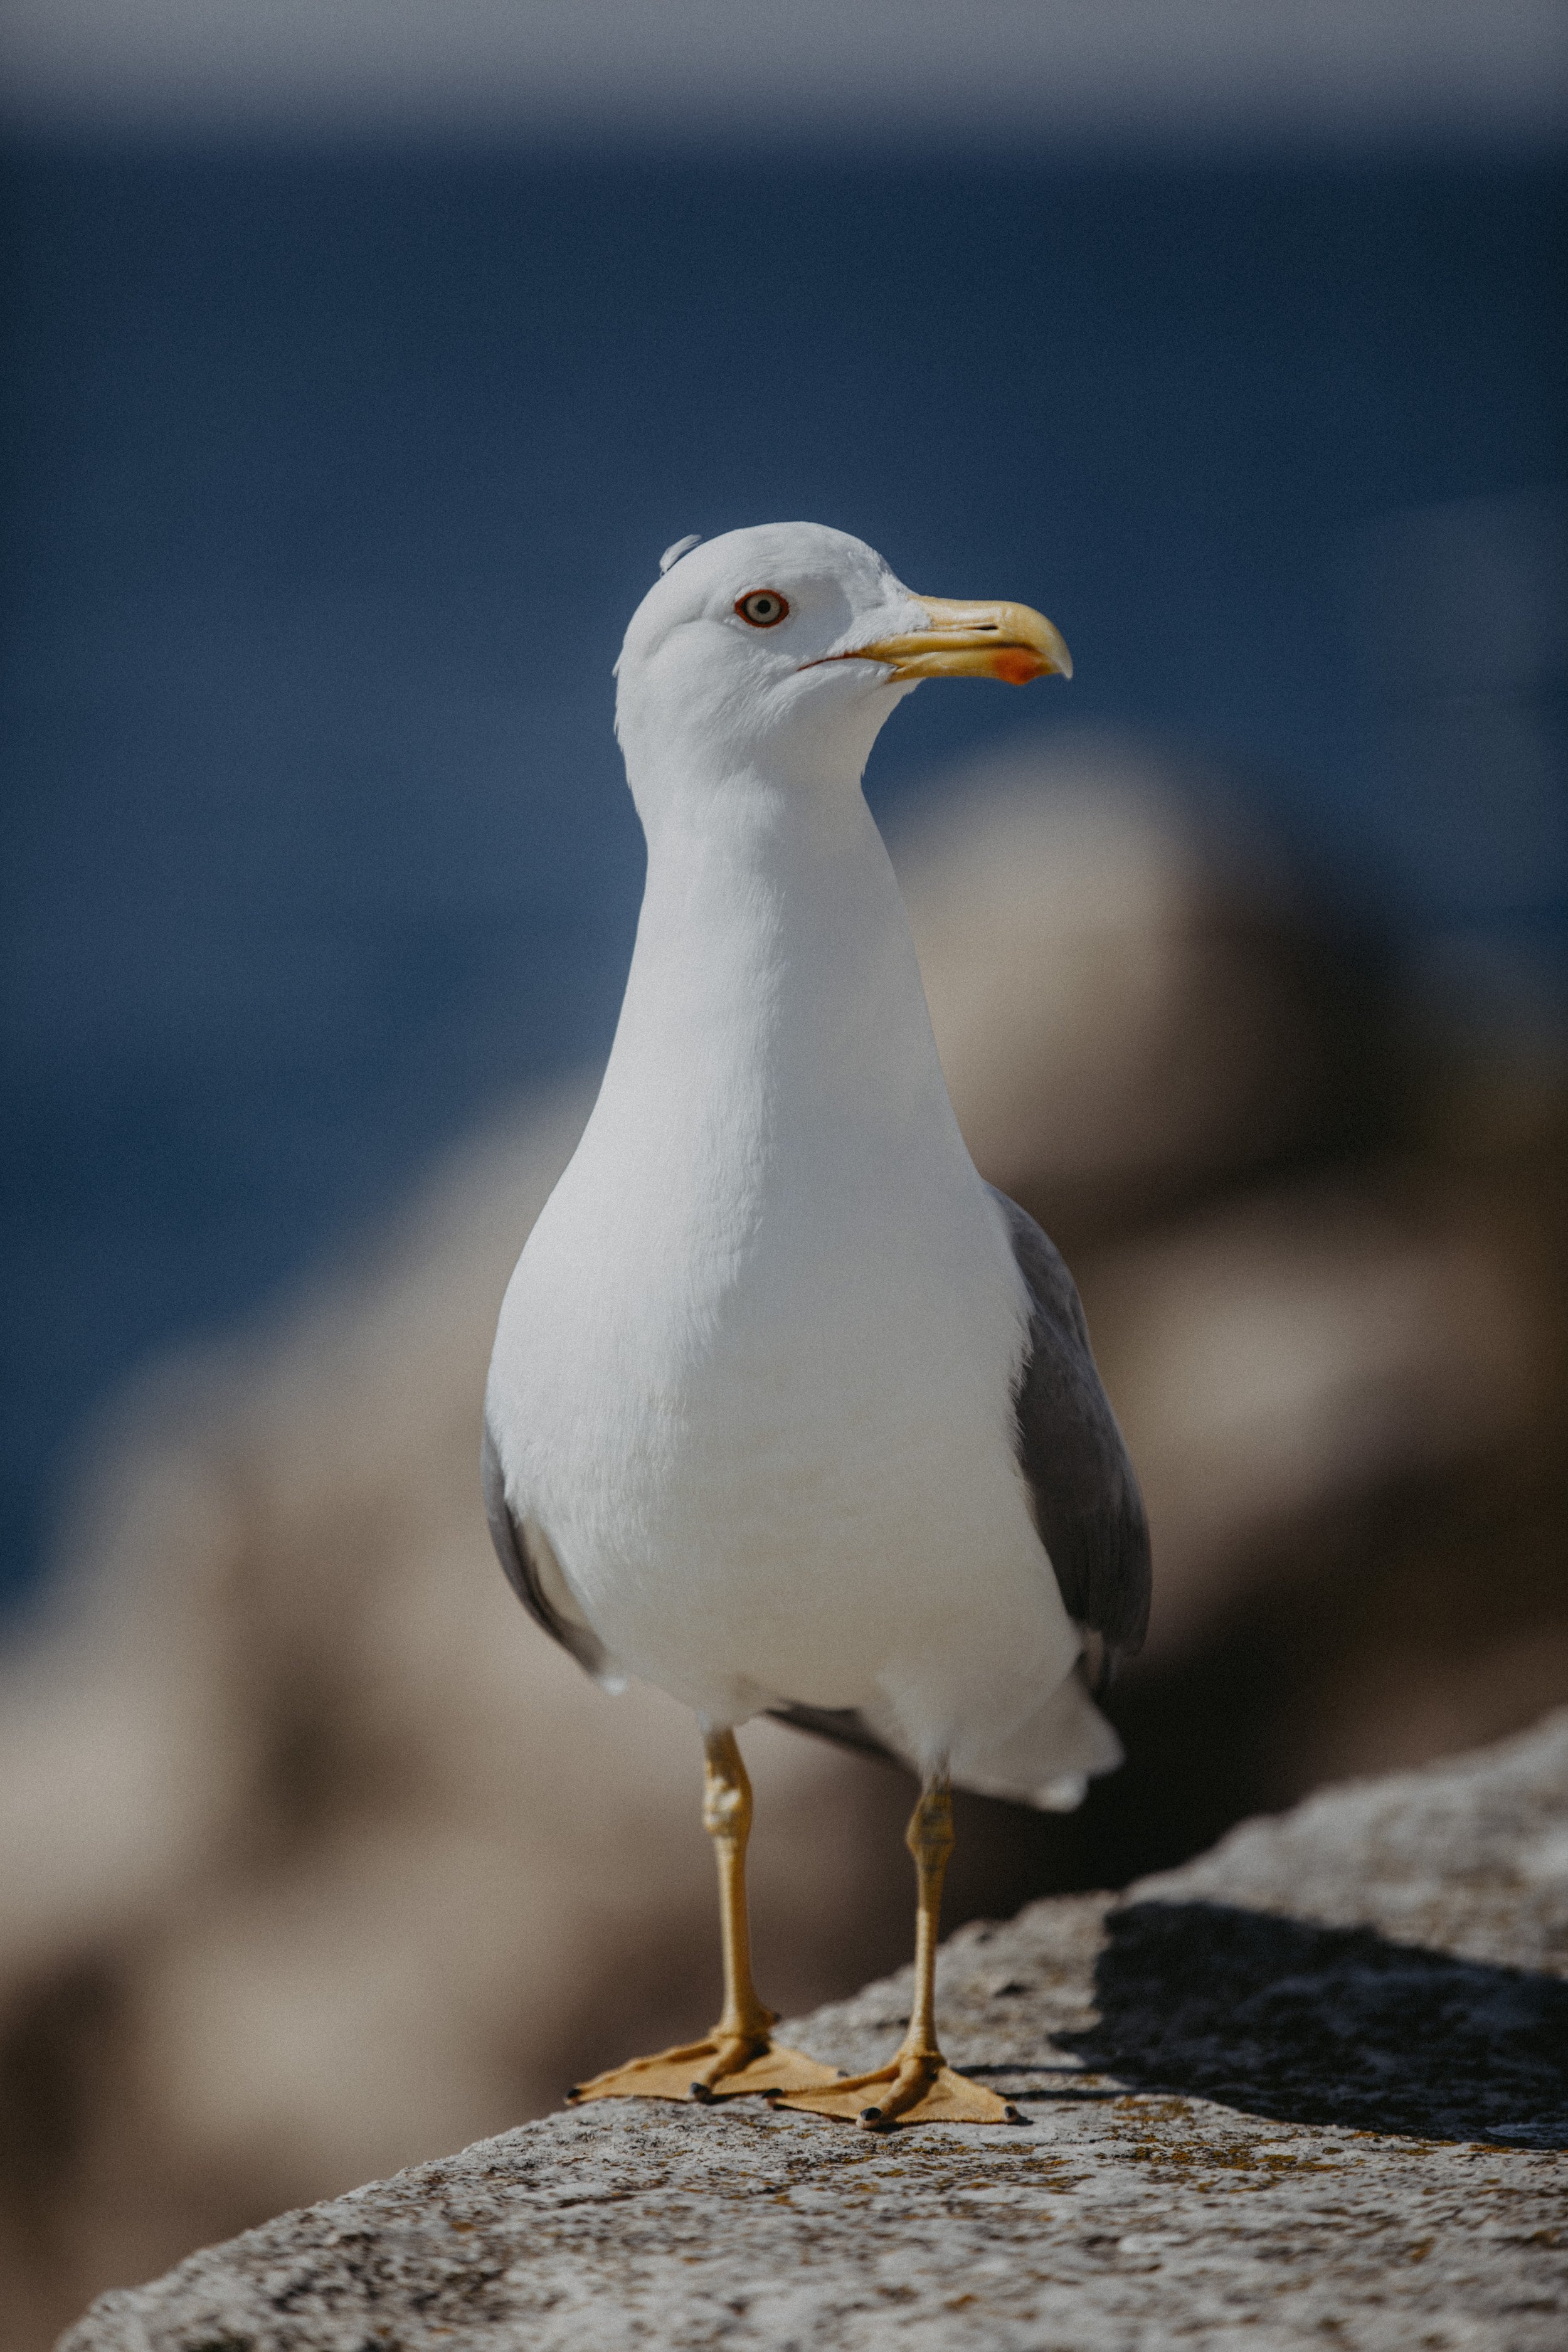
{"type": "Point", "coordinates": [1086, 1504]}
{"type": "Point", "coordinates": [844, 1725]}
{"type": "Point", "coordinates": [523, 1570]}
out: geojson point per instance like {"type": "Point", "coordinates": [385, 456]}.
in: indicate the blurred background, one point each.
{"type": "Point", "coordinates": [360, 359]}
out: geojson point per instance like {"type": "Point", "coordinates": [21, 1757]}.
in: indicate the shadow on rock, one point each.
{"type": "Point", "coordinates": [1329, 2025]}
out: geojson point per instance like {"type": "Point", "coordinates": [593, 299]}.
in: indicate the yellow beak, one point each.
{"type": "Point", "coordinates": [1011, 642]}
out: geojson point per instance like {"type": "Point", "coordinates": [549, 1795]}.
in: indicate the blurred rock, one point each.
{"type": "Point", "coordinates": [1336, 1341]}
{"type": "Point", "coordinates": [315, 1858]}
{"type": "Point", "coordinates": [1135, 1003]}
{"type": "Point", "coordinates": [1356, 2018]}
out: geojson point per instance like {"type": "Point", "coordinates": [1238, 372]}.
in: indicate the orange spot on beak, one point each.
{"type": "Point", "coordinates": [1016, 665]}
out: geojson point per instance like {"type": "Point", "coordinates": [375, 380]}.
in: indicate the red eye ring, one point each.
{"type": "Point", "coordinates": [763, 608]}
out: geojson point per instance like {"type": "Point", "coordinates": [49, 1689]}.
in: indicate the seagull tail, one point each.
{"type": "Point", "coordinates": [1049, 1760]}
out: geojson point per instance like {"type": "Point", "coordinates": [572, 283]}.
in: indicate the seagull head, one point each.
{"type": "Point", "coordinates": [779, 652]}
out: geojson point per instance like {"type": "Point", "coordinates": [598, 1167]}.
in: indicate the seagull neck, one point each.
{"type": "Point", "coordinates": [773, 939]}
{"type": "Point", "coordinates": [756, 873]}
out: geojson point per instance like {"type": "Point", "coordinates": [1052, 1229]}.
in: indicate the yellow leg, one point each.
{"type": "Point", "coordinates": [740, 2053]}
{"type": "Point", "coordinates": [919, 2086]}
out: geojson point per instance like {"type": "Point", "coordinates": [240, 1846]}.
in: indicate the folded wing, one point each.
{"type": "Point", "coordinates": [1088, 1508]}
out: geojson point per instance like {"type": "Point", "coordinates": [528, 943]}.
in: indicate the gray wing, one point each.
{"type": "Point", "coordinates": [523, 1574]}
{"type": "Point", "coordinates": [1086, 1504]}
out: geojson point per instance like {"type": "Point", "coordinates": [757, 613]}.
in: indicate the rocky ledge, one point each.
{"type": "Point", "coordinates": [1313, 2085]}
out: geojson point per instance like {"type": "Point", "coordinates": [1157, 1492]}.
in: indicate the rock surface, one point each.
{"type": "Point", "coordinates": [1314, 2085]}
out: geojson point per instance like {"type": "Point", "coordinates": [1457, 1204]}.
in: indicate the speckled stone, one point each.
{"type": "Point", "coordinates": [1313, 2087]}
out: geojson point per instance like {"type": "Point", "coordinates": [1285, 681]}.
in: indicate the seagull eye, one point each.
{"type": "Point", "coordinates": [764, 608]}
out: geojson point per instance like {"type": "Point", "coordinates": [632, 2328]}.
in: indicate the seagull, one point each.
{"type": "Point", "coordinates": [789, 1411]}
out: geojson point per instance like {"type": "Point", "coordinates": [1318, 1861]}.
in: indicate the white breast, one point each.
{"type": "Point", "coordinates": [754, 1376]}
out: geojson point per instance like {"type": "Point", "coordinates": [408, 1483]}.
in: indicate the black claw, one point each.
{"type": "Point", "coordinates": [873, 2119]}
{"type": "Point", "coordinates": [1015, 2114]}
{"type": "Point", "coordinates": [702, 2094]}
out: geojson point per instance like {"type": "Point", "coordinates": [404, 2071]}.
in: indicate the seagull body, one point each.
{"type": "Point", "coordinates": [757, 1425]}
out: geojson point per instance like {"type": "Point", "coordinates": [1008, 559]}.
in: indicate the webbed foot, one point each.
{"type": "Point", "coordinates": [912, 2090]}
{"type": "Point", "coordinates": [724, 2066]}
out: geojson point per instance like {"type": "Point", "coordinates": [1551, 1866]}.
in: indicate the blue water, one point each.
{"type": "Point", "coordinates": [331, 482]}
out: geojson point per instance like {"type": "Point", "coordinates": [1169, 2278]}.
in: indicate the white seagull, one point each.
{"type": "Point", "coordinates": [789, 1411]}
